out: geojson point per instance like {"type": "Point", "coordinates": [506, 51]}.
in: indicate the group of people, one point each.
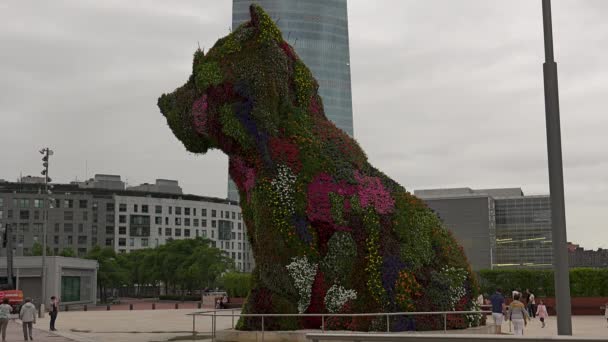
{"type": "Point", "coordinates": [221, 302]}
{"type": "Point", "coordinates": [27, 315]}
{"type": "Point", "coordinates": [522, 309]}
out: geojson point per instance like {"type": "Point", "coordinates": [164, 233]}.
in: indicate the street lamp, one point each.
{"type": "Point", "coordinates": [46, 152]}
{"type": "Point", "coordinates": [556, 180]}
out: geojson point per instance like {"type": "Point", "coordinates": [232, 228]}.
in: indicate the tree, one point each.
{"type": "Point", "coordinates": [110, 273]}
{"type": "Point", "coordinates": [37, 249]}
{"type": "Point", "coordinates": [67, 252]}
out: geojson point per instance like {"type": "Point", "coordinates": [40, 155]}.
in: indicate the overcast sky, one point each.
{"type": "Point", "coordinates": [445, 93]}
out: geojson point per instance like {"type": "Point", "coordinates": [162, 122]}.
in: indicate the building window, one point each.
{"type": "Point", "coordinates": [82, 204]}
{"type": "Point", "coordinates": [178, 232]}
{"type": "Point", "coordinates": [122, 207]}
{"type": "Point", "coordinates": [187, 232]}
{"type": "Point", "coordinates": [158, 220]}
{"type": "Point", "coordinates": [178, 210]}
{"type": "Point", "coordinates": [213, 235]}
{"type": "Point", "coordinates": [213, 213]}
{"type": "Point", "coordinates": [85, 215]}
{"type": "Point", "coordinates": [57, 227]}
{"type": "Point", "coordinates": [131, 242]}
{"type": "Point", "coordinates": [68, 215]}
{"type": "Point", "coordinates": [36, 215]}
{"type": "Point", "coordinates": [203, 212]}
{"type": "Point", "coordinates": [68, 203]}
{"type": "Point", "coordinates": [109, 206]}
{"type": "Point", "coordinates": [166, 220]}
{"type": "Point", "coordinates": [24, 203]}
{"type": "Point", "coordinates": [213, 223]}
{"type": "Point", "coordinates": [204, 233]}
{"type": "Point", "coordinates": [68, 227]}
{"type": "Point", "coordinates": [24, 214]}
{"type": "Point", "coordinates": [178, 221]}
{"type": "Point", "coordinates": [82, 240]}
{"type": "Point", "coordinates": [144, 208]}
{"type": "Point", "coordinates": [109, 230]}
{"type": "Point", "coordinates": [187, 211]}
{"type": "Point", "coordinates": [160, 231]}
{"type": "Point", "coordinates": [187, 222]}
{"type": "Point", "coordinates": [204, 223]}
{"type": "Point", "coordinates": [80, 227]}
{"type": "Point", "coordinates": [109, 242]}
{"type": "Point", "coordinates": [233, 236]}
{"type": "Point", "coordinates": [144, 242]}
{"type": "Point", "coordinates": [168, 231]}
{"type": "Point", "coordinates": [240, 237]}
{"type": "Point", "coordinates": [70, 289]}
{"type": "Point", "coordinates": [239, 216]}
{"type": "Point", "coordinates": [56, 239]}
{"type": "Point", "coordinates": [170, 210]}
{"type": "Point", "coordinates": [122, 242]}
{"type": "Point", "coordinates": [197, 233]}
{"type": "Point", "coordinates": [194, 211]}
{"type": "Point", "coordinates": [239, 225]}
{"type": "Point", "coordinates": [158, 209]}
{"type": "Point", "coordinates": [135, 208]}
{"type": "Point", "coordinates": [38, 203]}
{"type": "Point", "coordinates": [70, 240]}
{"type": "Point", "coordinates": [195, 222]}
{"type": "Point", "coordinates": [122, 219]}
{"type": "Point", "coordinates": [233, 215]}
{"type": "Point", "coordinates": [122, 230]}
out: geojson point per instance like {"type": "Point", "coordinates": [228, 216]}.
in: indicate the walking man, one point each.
{"type": "Point", "coordinates": [498, 305]}
{"type": "Point", "coordinates": [54, 310]}
{"type": "Point", "coordinates": [531, 304]}
{"type": "Point", "coordinates": [5, 311]}
{"type": "Point", "coordinates": [27, 315]}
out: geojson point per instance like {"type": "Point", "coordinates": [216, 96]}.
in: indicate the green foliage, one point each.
{"type": "Point", "coordinates": [339, 260]}
{"type": "Point", "coordinates": [371, 223]}
{"type": "Point", "coordinates": [207, 74]}
{"type": "Point", "coordinates": [337, 209]}
{"type": "Point", "coordinates": [584, 282]}
{"type": "Point", "coordinates": [413, 229]}
{"type": "Point", "coordinates": [37, 249]}
{"type": "Point", "coordinates": [67, 252]}
{"type": "Point", "coordinates": [269, 32]}
{"type": "Point", "coordinates": [235, 283]}
{"type": "Point", "coordinates": [304, 84]}
{"type": "Point", "coordinates": [232, 127]}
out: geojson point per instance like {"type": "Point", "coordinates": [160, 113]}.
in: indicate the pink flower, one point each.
{"type": "Point", "coordinates": [199, 115]}
{"type": "Point", "coordinates": [371, 191]}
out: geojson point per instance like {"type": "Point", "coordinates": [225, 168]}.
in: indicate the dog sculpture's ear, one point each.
{"type": "Point", "coordinates": [267, 28]}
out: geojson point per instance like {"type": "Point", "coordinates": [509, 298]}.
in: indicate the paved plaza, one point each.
{"type": "Point", "coordinates": [164, 325]}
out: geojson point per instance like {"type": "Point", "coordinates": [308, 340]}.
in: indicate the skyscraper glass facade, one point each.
{"type": "Point", "coordinates": [523, 232]}
{"type": "Point", "coordinates": [318, 30]}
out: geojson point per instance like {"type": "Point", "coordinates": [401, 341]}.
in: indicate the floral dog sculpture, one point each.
{"type": "Point", "coordinates": [329, 232]}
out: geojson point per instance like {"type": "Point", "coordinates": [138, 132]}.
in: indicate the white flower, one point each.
{"type": "Point", "coordinates": [337, 296]}
{"type": "Point", "coordinates": [283, 186]}
{"type": "Point", "coordinates": [303, 274]}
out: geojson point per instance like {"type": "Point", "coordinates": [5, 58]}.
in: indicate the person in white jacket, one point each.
{"type": "Point", "coordinates": [27, 315]}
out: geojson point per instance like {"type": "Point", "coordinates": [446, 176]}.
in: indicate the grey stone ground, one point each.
{"type": "Point", "coordinates": [162, 325]}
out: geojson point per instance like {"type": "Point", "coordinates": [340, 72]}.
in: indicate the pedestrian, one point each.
{"type": "Point", "coordinates": [606, 312]}
{"type": "Point", "coordinates": [27, 315]}
{"type": "Point", "coordinates": [53, 311]}
{"type": "Point", "coordinates": [480, 300]}
{"type": "Point", "coordinates": [541, 312]}
{"type": "Point", "coordinates": [498, 306]}
{"type": "Point", "coordinates": [5, 311]}
{"type": "Point", "coordinates": [531, 304]}
{"type": "Point", "coordinates": [518, 315]}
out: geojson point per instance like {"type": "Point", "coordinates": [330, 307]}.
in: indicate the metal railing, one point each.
{"type": "Point", "coordinates": [315, 337]}
{"type": "Point", "coordinates": [224, 313]}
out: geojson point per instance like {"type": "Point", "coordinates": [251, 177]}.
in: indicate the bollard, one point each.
{"type": "Point", "coordinates": [85, 308]}
{"type": "Point", "coordinates": [67, 308]}
{"type": "Point", "coordinates": [130, 306]}
{"type": "Point", "coordinates": [153, 306]}
{"type": "Point", "coordinates": [388, 324]}
{"type": "Point", "coordinates": [108, 307]}
{"type": "Point", "coordinates": [176, 306]}
{"type": "Point", "coordinates": [199, 305]}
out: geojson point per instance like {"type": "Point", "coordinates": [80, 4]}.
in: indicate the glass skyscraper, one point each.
{"type": "Point", "coordinates": [318, 30]}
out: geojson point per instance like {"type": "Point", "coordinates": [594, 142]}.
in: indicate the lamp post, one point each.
{"type": "Point", "coordinates": [46, 152]}
{"type": "Point", "coordinates": [556, 180]}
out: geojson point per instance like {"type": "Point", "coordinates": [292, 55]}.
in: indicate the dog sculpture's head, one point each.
{"type": "Point", "coordinates": [239, 90]}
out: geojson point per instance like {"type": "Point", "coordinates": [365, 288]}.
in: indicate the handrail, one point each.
{"type": "Point", "coordinates": [214, 314]}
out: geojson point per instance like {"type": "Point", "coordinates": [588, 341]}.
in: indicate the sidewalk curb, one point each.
{"type": "Point", "coordinates": [70, 336]}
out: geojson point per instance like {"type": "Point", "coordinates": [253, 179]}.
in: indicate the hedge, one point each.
{"type": "Point", "coordinates": [584, 282]}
